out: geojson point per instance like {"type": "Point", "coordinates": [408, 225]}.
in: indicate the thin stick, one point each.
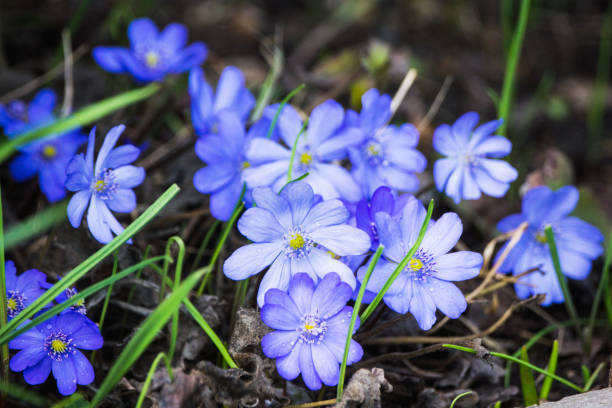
{"type": "Point", "coordinates": [314, 404]}
{"type": "Point", "coordinates": [435, 106]}
{"type": "Point", "coordinates": [402, 91]}
{"type": "Point", "coordinates": [68, 79]}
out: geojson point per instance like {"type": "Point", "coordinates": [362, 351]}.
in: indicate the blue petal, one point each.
{"type": "Point", "coordinates": [483, 132]}
{"type": "Point", "coordinates": [30, 339]}
{"type": "Point", "coordinates": [113, 59]}
{"type": "Point", "coordinates": [288, 366]}
{"type": "Point", "coordinates": [470, 190]}
{"type": "Point", "coordinates": [499, 169]}
{"type": "Point", "coordinates": [454, 185]}
{"type": "Point", "coordinates": [325, 119]}
{"type": "Point", "coordinates": [289, 124]}
{"type": "Point", "coordinates": [280, 297]}
{"type": "Point", "coordinates": [27, 357]}
{"type": "Point", "coordinates": [76, 207]}
{"type": "Point", "coordinates": [510, 222]}
{"type": "Point", "coordinates": [400, 297]}
{"type": "Point", "coordinates": [279, 343]}
{"type": "Point", "coordinates": [266, 174]}
{"type": "Point", "coordinates": [265, 198]}
{"type": "Point", "coordinates": [142, 31]}
{"type": "Point", "coordinates": [443, 236]}
{"type": "Point", "coordinates": [300, 197]}
{"type": "Point", "coordinates": [51, 180]}
{"type": "Point", "coordinates": [65, 374]}
{"type": "Point", "coordinates": [232, 130]}
{"type": "Point", "coordinates": [579, 236]}
{"type": "Point", "coordinates": [330, 296]}
{"type": "Point", "coordinates": [23, 167]}
{"type": "Point", "coordinates": [320, 263]}
{"type": "Point", "coordinates": [325, 364]}
{"type": "Point", "coordinates": [458, 266]}
{"type": "Point", "coordinates": [260, 225]}
{"type": "Point", "coordinates": [574, 264]}
{"type": "Point", "coordinates": [110, 140]}
{"type": "Point", "coordinates": [407, 159]}
{"type": "Point", "coordinates": [390, 236]}
{"type": "Point", "coordinates": [122, 201]}
{"type": "Point", "coordinates": [201, 101]}
{"type": "Point", "coordinates": [334, 148]}
{"type": "Point", "coordinates": [122, 156]}
{"type": "Point", "coordinates": [42, 103]}
{"type": "Point", "coordinates": [342, 182]}
{"type": "Point", "coordinates": [326, 213]}
{"type": "Point", "coordinates": [307, 368]}
{"type": "Point", "coordinates": [398, 178]}
{"type": "Point", "coordinates": [223, 202]}
{"type": "Point", "coordinates": [488, 184]}
{"type": "Point", "coordinates": [422, 307]}
{"type": "Point", "coordinates": [447, 297]}
{"type": "Point", "coordinates": [213, 177]}
{"type": "Point", "coordinates": [251, 259]}
{"type": "Point", "coordinates": [83, 369]}
{"type": "Point", "coordinates": [277, 277]}
{"type": "Point", "coordinates": [173, 37]}
{"type": "Point", "coordinates": [39, 373]}
{"type": "Point", "coordinates": [189, 57]}
{"type": "Point", "coordinates": [564, 201]}
{"type": "Point", "coordinates": [88, 337]}
{"type": "Point", "coordinates": [463, 127]}
{"type": "Point", "coordinates": [229, 87]}
{"type": "Point", "coordinates": [95, 221]}
{"type": "Point", "coordinates": [70, 322]}
{"type": "Point", "coordinates": [375, 113]}
{"type": "Point", "coordinates": [342, 239]}
{"type": "Point", "coordinates": [495, 146]}
{"type": "Point", "coordinates": [444, 141]}
{"type": "Point", "coordinates": [263, 150]}
{"type": "Point", "coordinates": [536, 204]}
{"type": "Point", "coordinates": [301, 289]}
{"type": "Point", "coordinates": [276, 317]}
{"type": "Point", "coordinates": [442, 171]}
{"type": "Point", "coordinates": [129, 176]}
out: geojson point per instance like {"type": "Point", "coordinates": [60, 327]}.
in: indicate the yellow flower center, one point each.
{"type": "Point", "coordinates": [541, 238]}
{"type": "Point", "coordinates": [99, 185]}
{"type": "Point", "coordinates": [296, 242]}
{"type": "Point", "coordinates": [246, 165]}
{"type": "Point", "coordinates": [58, 346]}
{"type": "Point", "coordinates": [151, 59]}
{"type": "Point", "coordinates": [11, 304]}
{"type": "Point", "coordinates": [305, 159]}
{"type": "Point", "coordinates": [373, 150]}
{"type": "Point", "coordinates": [49, 151]}
{"type": "Point", "coordinates": [415, 264]}
{"type": "Point", "coordinates": [310, 325]}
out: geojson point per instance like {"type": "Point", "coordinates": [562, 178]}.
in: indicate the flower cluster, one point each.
{"type": "Point", "coordinates": [53, 345]}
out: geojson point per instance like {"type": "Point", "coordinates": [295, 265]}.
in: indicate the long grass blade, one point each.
{"type": "Point", "coordinates": [552, 367]}
{"type": "Point", "coordinates": [23, 395]}
{"type": "Point", "coordinates": [145, 335]}
{"type": "Point", "coordinates": [79, 271]}
{"type": "Point", "coordinates": [280, 108]}
{"type": "Point", "coordinates": [35, 225]}
{"type": "Point", "coordinates": [3, 311]}
{"type": "Point", "coordinates": [178, 270]}
{"type": "Point", "coordinates": [152, 369]}
{"type": "Point", "coordinates": [530, 395]}
{"type": "Point", "coordinates": [293, 149]}
{"type": "Point", "coordinates": [400, 267]}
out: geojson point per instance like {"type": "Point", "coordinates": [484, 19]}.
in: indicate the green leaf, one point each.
{"type": "Point", "coordinates": [145, 335]}
{"type": "Point", "coordinates": [530, 395]}
{"type": "Point", "coordinates": [458, 397]}
{"type": "Point", "coordinates": [85, 116]}
{"type": "Point", "coordinates": [552, 367]}
{"type": "Point", "coordinates": [36, 225]}
{"type": "Point", "coordinates": [78, 272]}
{"type": "Point", "coordinates": [152, 369]}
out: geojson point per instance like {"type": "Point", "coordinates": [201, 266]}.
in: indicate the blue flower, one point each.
{"type": "Point", "coordinates": [104, 186]}
{"type": "Point", "coordinates": [470, 166]}
{"type": "Point", "coordinates": [317, 147]}
{"type": "Point", "coordinates": [47, 157]}
{"type": "Point", "coordinates": [288, 232]}
{"type": "Point", "coordinates": [387, 157]}
{"type": "Point", "coordinates": [578, 242]}
{"type": "Point", "coordinates": [78, 307]}
{"type": "Point", "coordinates": [311, 325]}
{"type": "Point", "coordinates": [261, 127]}
{"type": "Point", "coordinates": [231, 94]}
{"type": "Point", "coordinates": [53, 346]}
{"type": "Point", "coordinates": [152, 55]}
{"type": "Point", "coordinates": [223, 152]}
{"type": "Point", "coordinates": [383, 200]}
{"type": "Point", "coordinates": [426, 283]}
{"type": "Point", "coordinates": [22, 290]}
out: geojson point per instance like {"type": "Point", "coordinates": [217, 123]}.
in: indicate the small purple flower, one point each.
{"type": "Point", "coordinates": [78, 307]}
{"type": "Point", "coordinates": [578, 242]}
{"type": "Point", "coordinates": [426, 283]}
{"type": "Point", "coordinates": [104, 186]}
{"type": "Point", "coordinates": [231, 95]}
{"type": "Point", "coordinates": [289, 232]}
{"type": "Point", "coordinates": [223, 153]}
{"type": "Point", "coordinates": [47, 157]}
{"type": "Point", "coordinates": [311, 325]}
{"type": "Point", "coordinates": [53, 346]}
{"type": "Point", "coordinates": [470, 166]}
{"type": "Point", "coordinates": [152, 55]}
{"type": "Point", "coordinates": [317, 147]}
{"type": "Point", "coordinates": [383, 200]}
{"type": "Point", "coordinates": [22, 290]}
{"type": "Point", "coordinates": [388, 155]}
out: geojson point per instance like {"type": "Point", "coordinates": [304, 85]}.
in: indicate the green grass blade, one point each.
{"type": "Point", "coordinates": [267, 89]}
{"type": "Point", "coordinates": [512, 62]}
{"type": "Point", "coordinates": [458, 397]}
{"type": "Point", "coordinates": [552, 367]}
{"type": "Point", "coordinates": [604, 282]}
{"type": "Point", "coordinates": [593, 377]}
{"type": "Point", "coordinates": [207, 238]}
{"type": "Point", "coordinates": [35, 225]}
{"type": "Point", "coordinates": [293, 149]}
{"type": "Point", "coordinates": [152, 369]}
{"type": "Point", "coordinates": [400, 267]}
{"type": "Point", "coordinates": [24, 395]}
{"type": "Point", "coordinates": [85, 116]}
{"type": "Point", "coordinates": [180, 258]}
{"type": "Point", "coordinates": [108, 292]}
{"type": "Point", "coordinates": [3, 311]}
{"type": "Point", "coordinates": [530, 395]}
{"type": "Point", "coordinates": [145, 335]}
{"type": "Point", "coordinates": [569, 302]}
{"type": "Point", "coordinates": [79, 271]}
{"type": "Point", "coordinates": [79, 296]}
{"type": "Point", "coordinates": [349, 336]}
{"type": "Point", "coordinates": [280, 109]}
{"type": "Point", "coordinates": [520, 362]}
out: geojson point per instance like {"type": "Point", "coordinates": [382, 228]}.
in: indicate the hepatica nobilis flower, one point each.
{"type": "Point", "coordinates": [388, 155]}
{"type": "Point", "coordinates": [231, 94]}
{"type": "Point", "coordinates": [311, 325]}
{"type": "Point", "coordinates": [318, 146]}
{"type": "Point", "coordinates": [425, 284]}
{"type": "Point", "coordinates": [53, 346]}
{"type": "Point", "coordinates": [223, 152]}
{"type": "Point", "coordinates": [470, 167]}
{"type": "Point", "coordinates": [292, 234]}
{"type": "Point", "coordinates": [578, 242]}
{"type": "Point", "coordinates": [153, 54]}
{"type": "Point", "coordinates": [47, 157]}
{"type": "Point", "coordinates": [22, 290]}
{"type": "Point", "coordinates": [104, 185]}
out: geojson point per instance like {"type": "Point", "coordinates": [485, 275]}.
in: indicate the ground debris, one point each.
{"type": "Point", "coordinates": [248, 331]}
{"type": "Point", "coordinates": [191, 340]}
{"type": "Point", "coordinates": [364, 389]}
{"type": "Point", "coordinates": [591, 399]}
